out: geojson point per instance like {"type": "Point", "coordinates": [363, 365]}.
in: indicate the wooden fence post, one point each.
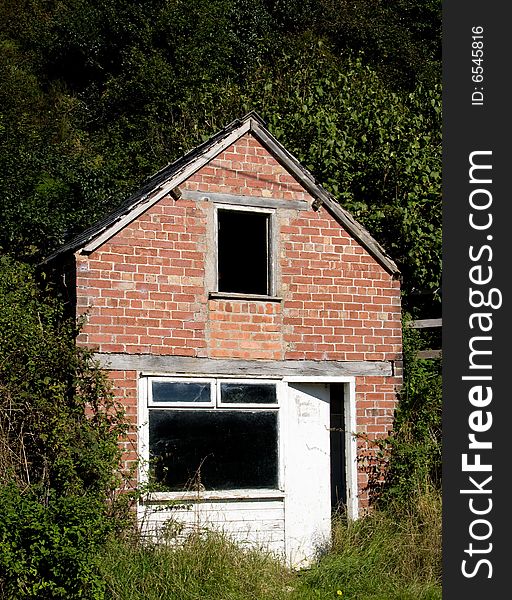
{"type": "Point", "coordinates": [427, 324]}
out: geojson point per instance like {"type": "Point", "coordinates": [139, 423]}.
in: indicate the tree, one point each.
{"type": "Point", "coordinates": [96, 96]}
{"type": "Point", "coordinates": [377, 151]}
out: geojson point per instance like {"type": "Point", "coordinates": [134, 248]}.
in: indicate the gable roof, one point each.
{"type": "Point", "coordinates": [170, 177]}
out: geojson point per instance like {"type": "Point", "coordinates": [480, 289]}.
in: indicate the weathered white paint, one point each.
{"type": "Point", "coordinates": [351, 450]}
{"type": "Point", "coordinates": [307, 472]}
{"type": "Point", "coordinates": [294, 521]}
{"type": "Point", "coordinates": [349, 403]}
{"type": "Point", "coordinates": [253, 523]}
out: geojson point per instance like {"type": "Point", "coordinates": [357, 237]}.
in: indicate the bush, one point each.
{"type": "Point", "coordinates": [408, 462]}
{"type": "Point", "coordinates": [415, 445]}
{"type": "Point", "coordinates": [59, 450]}
{"type": "Point", "coordinates": [49, 550]}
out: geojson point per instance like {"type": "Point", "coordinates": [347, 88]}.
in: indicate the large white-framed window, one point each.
{"type": "Point", "coordinates": [244, 250]}
{"type": "Point", "coordinates": [244, 438]}
{"type": "Point", "coordinates": [216, 435]}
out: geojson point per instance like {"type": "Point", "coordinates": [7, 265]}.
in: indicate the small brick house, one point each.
{"type": "Point", "coordinates": [250, 327]}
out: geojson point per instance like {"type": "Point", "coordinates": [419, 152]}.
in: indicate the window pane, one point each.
{"type": "Point", "coordinates": [220, 450]}
{"type": "Point", "coordinates": [243, 252]}
{"type": "Point", "coordinates": [248, 393]}
{"type": "Point", "coordinates": [181, 391]}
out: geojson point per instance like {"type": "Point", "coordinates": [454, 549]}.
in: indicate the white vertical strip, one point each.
{"type": "Point", "coordinates": [142, 436]}
{"type": "Point", "coordinates": [351, 449]}
{"type": "Point", "coordinates": [282, 421]}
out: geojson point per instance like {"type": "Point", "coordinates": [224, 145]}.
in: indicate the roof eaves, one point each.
{"type": "Point", "coordinates": [154, 188]}
{"type": "Point", "coordinates": [172, 175]}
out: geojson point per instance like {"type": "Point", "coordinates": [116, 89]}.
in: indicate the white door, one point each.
{"type": "Point", "coordinates": [307, 471]}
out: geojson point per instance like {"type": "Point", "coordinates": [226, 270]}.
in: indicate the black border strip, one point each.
{"type": "Point", "coordinates": [476, 131]}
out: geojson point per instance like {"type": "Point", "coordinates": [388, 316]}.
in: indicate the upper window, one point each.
{"type": "Point", "coordinates": [243, 252]}
{"type": "Point", "coordinates": [247, 393]}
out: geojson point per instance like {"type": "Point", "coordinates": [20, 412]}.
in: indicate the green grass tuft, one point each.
{"type": "Point", "coordinates": [206, 567]}
{"type": "Point", "coordinates": [388, 555]}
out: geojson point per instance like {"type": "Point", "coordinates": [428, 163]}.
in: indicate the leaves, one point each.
{"type": "Point", "coordinates": [58, 423]}
{"type": "Point", "coordinates": [59, 447]}
{"type": "Point", "coordinates": [96, 96]}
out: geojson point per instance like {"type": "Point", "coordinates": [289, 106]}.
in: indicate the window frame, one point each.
{"type": "Point", "coordinates": [190, 405]}
{"type": "Point", "coordinates": [271, 248]}
{"type": "Point", "coordinates": [249, 405]}
{"type": "Point", "coordinates": [145, 405]}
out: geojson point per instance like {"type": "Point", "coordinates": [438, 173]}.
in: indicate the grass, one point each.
{"type": "Point", "coordinates": [388, 555]}
{"type": "Point", "coordinates": [208, 566]}
{"type": "Point", "coordinates": [391, 555]}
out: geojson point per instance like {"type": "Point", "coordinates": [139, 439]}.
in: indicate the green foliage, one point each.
{"type": "Point", "coordinates": [53, 396]}
{"type": "Point", "coordinates": [413, 450]}
{"type": "Point", "coordinates": [96, 96]}
{"type": "Point", "coordinates": [386, 555]}
{"type": "Point", "coordinates": [48, 171]}
{"type": "Point", "coordinates": [59, 452]}
{"type": "Point", "coordinates": [50, 549]}
{"type": "Point", "coordinates": [206, 565]}
{"type": "Point", "coordinates": [377, 151]}
{"type": "Point", "coordinates": [401, 39]}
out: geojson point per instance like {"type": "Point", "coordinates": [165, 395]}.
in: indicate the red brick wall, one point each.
{"type": "Point", "coordinates": [246, 168]}
{"type": "Point", "coordinates": [375, 404]}
{"type": "Point", "coordinates": [125, 390]}
{"type": "Point", "coordinates": [145, 290]}
{"type": "Point", "coordinates": [245, 329]}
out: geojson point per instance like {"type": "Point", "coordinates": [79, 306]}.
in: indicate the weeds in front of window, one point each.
{"type": "Point", "coordinates": [393, 554]}
{"type": "Point", "coordinates": [205, 565]}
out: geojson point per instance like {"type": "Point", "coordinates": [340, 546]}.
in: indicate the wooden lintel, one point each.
{"type": "Point", "coordinates": [256, 201]}
{"type": "Point", "coordinates": [184, 365]}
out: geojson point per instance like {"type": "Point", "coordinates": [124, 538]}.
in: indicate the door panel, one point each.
{"type": "Point", "coordinates": [307, 471]}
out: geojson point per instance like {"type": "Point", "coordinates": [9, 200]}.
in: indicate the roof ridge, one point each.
{"type": "Point", "coordinates": [174, 173]}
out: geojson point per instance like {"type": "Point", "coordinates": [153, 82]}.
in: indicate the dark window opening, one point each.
{"type": "Point", "coordinates": [181, 391]}
{"type": "Point", "coordinates": [248, 393]}
{"type": "Point", "coordinates": [243, 252]}
{"type": "Point", "coordinates": [213, 450]}
{"type": "Point", "coordinates": [337, 434]}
